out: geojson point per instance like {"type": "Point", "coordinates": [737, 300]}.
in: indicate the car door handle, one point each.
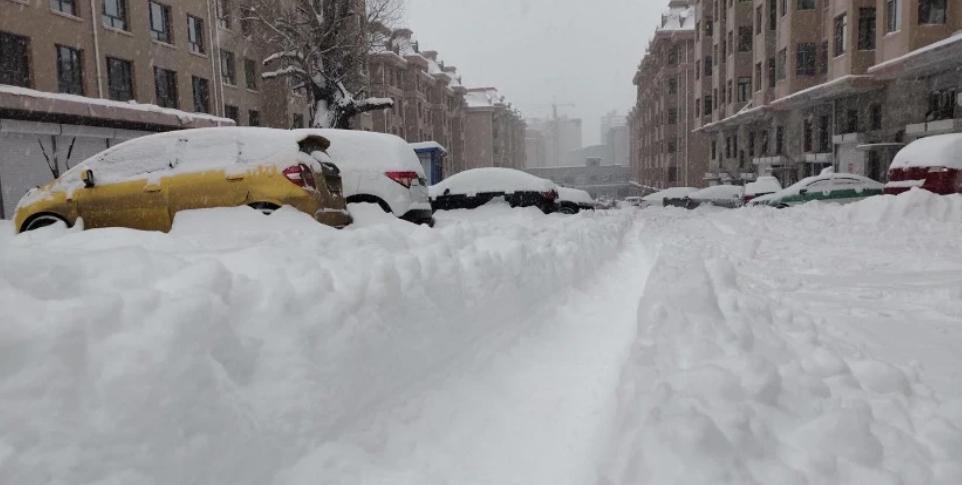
{"type": "Point", "coordinates": [150, 189]}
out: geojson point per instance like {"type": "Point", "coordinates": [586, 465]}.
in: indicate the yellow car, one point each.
{"type": "Point", "coordinates": [145, 182]}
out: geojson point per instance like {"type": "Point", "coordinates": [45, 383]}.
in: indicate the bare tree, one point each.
{"type": "Point", "coordinates": [321, 46]}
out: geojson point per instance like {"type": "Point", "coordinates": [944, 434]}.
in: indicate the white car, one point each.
{"type": "Point", "coordinates": [573, 201]}
{"type": "Point", "coordinates": [380, 169]}
{"type": "Point", "coordinates": [762, 186]}
{"type": "Point", "coordinates": [840, 188]}
{"type": "Point", "coordinates": [658, 198]}
{"type": "Point", "coordinates": [728, 196]}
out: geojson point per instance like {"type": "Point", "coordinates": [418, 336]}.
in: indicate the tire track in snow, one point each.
{"type": "Point", "coordinates": [528, 406]}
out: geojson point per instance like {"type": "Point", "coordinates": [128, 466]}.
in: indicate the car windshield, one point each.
{"type": "Point", "coordinates": [481, 242]}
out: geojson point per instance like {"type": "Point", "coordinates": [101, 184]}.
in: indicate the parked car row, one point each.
{"type": "Point", "coordinates": [145, 182]}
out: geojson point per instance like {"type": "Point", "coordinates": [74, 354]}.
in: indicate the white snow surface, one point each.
{"type": "Point", "coordinates": [718, 192]}
{"type": "Point", "coordinates": [491, 179]}
{"type": "Point", "coordinates": [502, 347]}
{"type": "Point", "coordinates": [575, 195]}
{"type": "Point", "coordinates": [763, 185]}
{"type": "Point", "coordinates": [670, 193]}
{"type": "Point", "coordinates": [934, 151]}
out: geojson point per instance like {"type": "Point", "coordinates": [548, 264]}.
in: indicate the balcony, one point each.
{"type": "Point", "coordinates": [940, 127]}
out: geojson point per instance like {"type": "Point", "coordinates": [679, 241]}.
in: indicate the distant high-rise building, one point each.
{"type": "Point", "coordinates": [562, 136]}
{"type": "Point", "coordinates": [614, 136]}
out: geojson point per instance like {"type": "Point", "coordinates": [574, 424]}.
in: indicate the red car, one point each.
{"type": "Point", "coordinates": [933, 164]}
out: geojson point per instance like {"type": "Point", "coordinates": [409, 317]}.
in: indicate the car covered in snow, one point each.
{"type": "Point", "coordinates": [143, 183]}
{"type": "Point", "coordinates": [829, 186]}
{"type": "Point", "coordinates": [573, 201]}
{"type": "Point", "coordinates": [658, 198]}
{"type": "Point", "coordinates": [933, 164]}
{"type": "Point", "coordinates": [473, 188]}
{"type": "Point", "coordinates": [727, 196]}
{"type": "Point", "coordinates": [762, 186]}
{"type": "Point", "coordinates": [380, 169]}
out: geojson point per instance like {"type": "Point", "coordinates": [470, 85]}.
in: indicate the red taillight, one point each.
{"type": "Point", "coordinates": [301, 176]}
{"type": "Point", "coordinates": [550, 195]}
{"type": "Point", "coordinates": [404, 178]}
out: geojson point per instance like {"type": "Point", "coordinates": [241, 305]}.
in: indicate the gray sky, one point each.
{"type": "Point", "coordinates": [576, 51]}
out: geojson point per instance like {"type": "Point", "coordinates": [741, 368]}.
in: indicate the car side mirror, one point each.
{"type": "Point", "coordinates": [87, 176]}
{"type": "Point", "coordinates": [803, 191]}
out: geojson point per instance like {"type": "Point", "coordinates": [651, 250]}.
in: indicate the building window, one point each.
{"type": "Point", "coordinates": [228, 67]}
{"type": "Point", "coordinates": [673, 56]}
{"type": "Point", "coordinates": [866, 29]}
{"type": "Point", "coordinates": [841, 34]}
{"type": "Point", "coordinates": [824, 136]}
{"type": "Point", "coordinates": [232, 112]}
{"type": "Point", "coordinates": [120, 79]}
{"type": "Point", "coordinates": [708, 66]}
{"type": "Point", "coordinates": [297, 121]}
{"type": "Point", "coordinates": [851, 121]}
{"type": "Point", "coordinates": [160, 23]}
{"type": "Point", "coordinates": [697, 69]}
{"type": "Point", "coordinates": [942, 105]}
{"type": "Point", "coordinates": [201, 94]}
{"type": "Point", "coordinates": [729, 95]}
{"type": "Point", "coordinates": [673, 86]}
{"type": "Point", "coordinates": [709, 27]}
{"type": "Point", "coordinates": [780, 64]}
{"type": "Point", "coordinates": [745, 39]}
{"type": "Point", "coordinates": [932, 11]}
{"type": "Point", "coordinates": [68, 7]}
{"type": "Point", "coordinates": [806, 4]}
{"type": "Point", "coordinates": [254, 118]}
{"type": "Point", "coordinates": [808, 135]}
{"type": "Point", "coordinates": [893, 15]}
{"type": "Point", "coordinates": [70, 70]}
{"type": "Point", "coordinates": [195, 35]}
{"type": "Point", "coordinates": [247, 22]}
{"type": "Point", "coordinates": [14, 60]}
{"type": "Point", "coordinates": [875, 116]}
{"type": "Point", "coordinates": [823, 59]}
{"type": "Point", "coordinates": [714, 149]}
{"type": "Point", "coordinates": [165, 87]}
{"type": "Point", "coordinates": [744, 89]}
{"type": "Point", "coordinates": [779, 140]}
{"type": "Point", "coordinates": [223, 14]}
{"type": "Point", "coordinates": [709, 106]}
{"type": "Point", "coordinates": [115, 14]}
{"type": "Point", "coordinates": [758, 76]}
{"type": "Point", "coordinates": [250, 73]}
{"type": "Point", "coordinates": [672, 146]}
{"type": "Point", "coordinates": [784, 7]}
{"type": "Point", "coordinates": [759, 19]}
{"type": "Point", "coordinates": [772, 14]}
{"type": "Point", "coordinates": [771, 72]}
{"type": "Point", "coordinates": [751, 144]}
{"type": "Point", "coordinates": [805, 59]}
{"type": "Point", "coordinates": [672, 116]}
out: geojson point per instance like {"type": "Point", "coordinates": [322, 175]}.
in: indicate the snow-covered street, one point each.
{"type": "Point", "coordinates": [816, 345]}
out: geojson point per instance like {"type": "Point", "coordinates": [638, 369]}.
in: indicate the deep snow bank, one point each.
{"type": "Point", "coordinates": [230, 350]}
{"type": "Point", "coordinates": [753, 363]}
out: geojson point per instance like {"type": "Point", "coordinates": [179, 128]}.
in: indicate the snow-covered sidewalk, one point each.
{"type": "Point", "coordinates": [818, 345]}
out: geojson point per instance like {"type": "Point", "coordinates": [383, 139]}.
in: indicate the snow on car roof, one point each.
{"type": "Point", "coordinates": [934, 151]}
{"type": "Point", "coordinates": [492, 179]}
{"type": "Point", "coordinates": [795, 188]}
{"type": "Point", "coordinates": [367, 150]}
{"type": "Point", "coordinates": [186, 151]}
{"type": "Point", "coordinates": [577, 196]}
{"type": "Point", "coordinates": [671, 193]}
{"type": "Point", "coordinates": [763, 185]}
{"type": "Point", "coordinates": [717, 192]}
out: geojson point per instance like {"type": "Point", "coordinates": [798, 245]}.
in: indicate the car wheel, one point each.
{"type": "Point", "coordinates": [782, 206]}
{"type": "Point", "coordinates": [265, 208]}
{"type": "Point", "coordinates": [43, 220]}
{"type": "Point", "coordinates": [567, 209]}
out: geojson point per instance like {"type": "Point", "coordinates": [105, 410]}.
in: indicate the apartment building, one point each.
{"type": "Point", "coordinates": [428, 95]}
{"type": "Point", "coordinates": [664, 149]}
{"type": "Point", "coordinates": [77, 77]}
{"type": "Point", "coordinates": [835, 83]}
{"type": "Point", "coordinates": [494, 132]}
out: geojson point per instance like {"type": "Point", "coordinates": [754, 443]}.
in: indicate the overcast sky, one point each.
{"type": "Point", "coordinates": [581, 52]}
